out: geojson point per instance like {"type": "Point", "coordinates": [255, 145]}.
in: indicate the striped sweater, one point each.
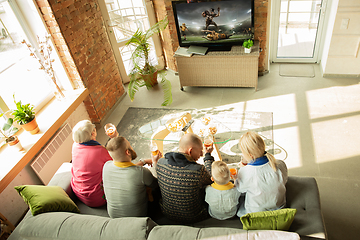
{"type": "Point", "coordinates": [182, 182]}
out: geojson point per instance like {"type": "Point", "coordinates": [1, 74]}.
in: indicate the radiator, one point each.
{"type": "Point", "coordinates": [57, 151]}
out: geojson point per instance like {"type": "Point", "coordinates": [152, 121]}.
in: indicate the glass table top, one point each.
{"type": "Point", "coordinates": [202, 126]}
{"type": "Point", "coordinates": [231, 124]}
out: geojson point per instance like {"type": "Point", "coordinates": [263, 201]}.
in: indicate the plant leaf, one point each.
{"type": "Point", "coordinates": [133, 87]}
{"type": "Point", "coordinates": [166, 85]}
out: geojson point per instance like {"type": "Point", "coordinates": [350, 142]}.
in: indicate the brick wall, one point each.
{"type": "Point", "coordinates": [84, 47]}
{"type": "Point", "coordinates": [164, 8]}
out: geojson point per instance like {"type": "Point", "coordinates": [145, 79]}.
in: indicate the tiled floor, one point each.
{"type": "Point", "coordinates": [316, 120]}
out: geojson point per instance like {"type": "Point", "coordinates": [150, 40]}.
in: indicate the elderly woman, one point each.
{"type": "Point", "coordinates": [88, 159]}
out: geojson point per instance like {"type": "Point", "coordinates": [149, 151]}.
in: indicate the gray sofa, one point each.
{"type": "Point", "coordinates": [94, 223]}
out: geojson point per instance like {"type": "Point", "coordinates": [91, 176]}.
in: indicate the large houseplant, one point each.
{"type": "Point", "coordinates": [7, 132]}
{"type": "Point", "coordinates": [24, 115]}
{"type": "Point", "coordinates": [143, 72]}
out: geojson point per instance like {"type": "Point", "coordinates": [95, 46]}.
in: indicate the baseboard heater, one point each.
{"type": "Point", "coordinates": [56, 152]}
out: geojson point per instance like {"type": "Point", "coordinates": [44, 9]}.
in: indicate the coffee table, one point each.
{"type": "Point", "coordinates": [169, 128]}
{"type": "Point", "coordinates": [230, 124]}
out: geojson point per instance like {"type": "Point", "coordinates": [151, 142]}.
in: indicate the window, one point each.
{"type": "Point", "coordinates": [19, 72]}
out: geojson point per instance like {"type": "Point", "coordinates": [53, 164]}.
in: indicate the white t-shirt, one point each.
{"type": "Point", "coordinates": [263, 187]}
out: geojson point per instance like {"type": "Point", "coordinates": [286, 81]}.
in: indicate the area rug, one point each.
{"type": "Point", "coordinates": [237, 121]}
{"type": "Point", "coordinates": [297, 70]}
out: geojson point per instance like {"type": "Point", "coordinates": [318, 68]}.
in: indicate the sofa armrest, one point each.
{"type": "Point", "coordinates": [302, 193]}
{"type": "Point", "coordinates": [62, 178]}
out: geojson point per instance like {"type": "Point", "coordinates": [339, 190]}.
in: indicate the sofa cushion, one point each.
{"type": "Point", "coordinates": [63, 225]}
{"type": "Point", "coordinates": [302, 193]}
{"type": "Point", "coordinates": [269, 220]}
{"type": "Point", "coordinates": [46, 199]}
{"type": "Point", "coordinates": [173, 232]}
{"type": "Point", "coordinates": [62, 178]}
{"type": "Point", "coordinates": [184, 233]}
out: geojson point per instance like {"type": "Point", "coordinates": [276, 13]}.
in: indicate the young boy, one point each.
{"type": "Point", "coordinates": [222, 196]}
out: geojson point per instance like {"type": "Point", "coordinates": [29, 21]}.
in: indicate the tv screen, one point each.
{"type": "Point", "coordinates": [215, 24]}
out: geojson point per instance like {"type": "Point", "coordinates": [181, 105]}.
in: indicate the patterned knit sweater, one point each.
{"type": "Point", "coordinates": [182, 182]}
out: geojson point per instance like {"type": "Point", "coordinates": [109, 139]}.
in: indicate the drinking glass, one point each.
{"type": "Point", "coordinates": [233, 171]}
{"type": "Point", "coordinates": [154, 149]}
{"type": "Point", "coordinates": [208, 141]}
{"type": "Point", "coordinates": [110, 130]}
{"type": "Point", "coordinates": [212, 129]}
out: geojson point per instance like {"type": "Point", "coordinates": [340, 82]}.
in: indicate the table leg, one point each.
{"type": "Point", "coordinates": [160, 136]}
{"type": "Point", "coordinates": [216, 152]}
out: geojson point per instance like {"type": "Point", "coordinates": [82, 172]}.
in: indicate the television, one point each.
{"type": "Point", "coordinates": [218, 24]}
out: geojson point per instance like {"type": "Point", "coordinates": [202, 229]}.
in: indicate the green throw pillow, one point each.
{"type": "Point", "coordinates": [269, 220]}
{"type": "Point", "coordinates": [43, 199]}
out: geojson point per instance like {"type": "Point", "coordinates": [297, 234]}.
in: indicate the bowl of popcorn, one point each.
{"type": "Point", "coordinates": [212, 129]}
{"type": "Point", "coordinates": [205, 120]}
{"type": "Point", "coordinates": [201, 132]}
{"type": "Point", "coordinates": [174, 124]}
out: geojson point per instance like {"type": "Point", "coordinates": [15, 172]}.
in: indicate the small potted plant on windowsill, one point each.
{"type": "Point", "coordinates": [25, 116]}
{"type": "Point", "coordinates": [143, 72]}
{"type": "Point", "coordinates": [247, 45]}
{"type": "Point", "coordinates": [7, 132]}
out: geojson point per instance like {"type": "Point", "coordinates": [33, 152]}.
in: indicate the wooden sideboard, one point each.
{"type": "Point", "coordinates": [220, 69]}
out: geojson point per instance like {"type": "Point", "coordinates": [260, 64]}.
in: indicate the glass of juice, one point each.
{"type": "Point", "coordinates": [233, 172]}
{"type": "Point", "coordinates": [208, 141]}
{"type": "Point", "coordinates": [154, 149]}
{"type": "Point", "coordinates": [110, 130]}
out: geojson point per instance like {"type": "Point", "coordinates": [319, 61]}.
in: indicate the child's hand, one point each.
{"type": "Point", "coordinates": [233, 176]}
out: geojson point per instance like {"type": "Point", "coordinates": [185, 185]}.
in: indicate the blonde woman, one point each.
{"type": "Point", "coordinates": [261, 177]}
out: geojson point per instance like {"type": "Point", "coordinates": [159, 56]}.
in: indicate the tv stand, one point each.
{"type": "Point", "coordinates": [220, 69]}
{"type": "Point", "coordinates": [220, 49]}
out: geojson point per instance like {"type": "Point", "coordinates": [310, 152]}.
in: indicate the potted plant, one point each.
{"type": "Point", "coordinates": [247, 45]}
{"type": "Point", "coordinates": [143, 72]}
{"type": "Point", "coordinates": [7, 132]}
{"type": "Point", "coordinates": [25, 116]}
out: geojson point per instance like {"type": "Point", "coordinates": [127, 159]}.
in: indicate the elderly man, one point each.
{"type": "Point", "coordinates": [125, 184]}
{"type": "Point", "coordinates": [182, 181]}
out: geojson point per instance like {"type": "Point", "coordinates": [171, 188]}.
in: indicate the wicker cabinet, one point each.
{"type": "Point", "coordinates": [220, 69]}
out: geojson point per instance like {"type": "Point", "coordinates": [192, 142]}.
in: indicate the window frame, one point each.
{"type": "Point", "coordinates": [32, 24]}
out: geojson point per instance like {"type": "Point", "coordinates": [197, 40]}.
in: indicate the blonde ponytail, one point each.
{"type": "Point", "coordinates": [272, 161]}
{"type": "Point", "coordinates": [252, 144]}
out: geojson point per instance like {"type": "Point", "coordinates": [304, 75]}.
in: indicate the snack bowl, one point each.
{"type": "Point", "coordinates": [205, 120]}
{"type": "Point", "coordinates": [174, 124]}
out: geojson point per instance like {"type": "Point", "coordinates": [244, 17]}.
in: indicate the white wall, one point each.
{"type": "Point", "coordinates": [341, 55]}
{"type": "Point", "coordinates": [12, 205]}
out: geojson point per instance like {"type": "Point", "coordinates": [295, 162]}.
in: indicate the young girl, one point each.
{"type": "Point", "coordinates": [261, 178]}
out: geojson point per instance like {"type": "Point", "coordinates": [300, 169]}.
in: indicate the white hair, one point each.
{"type": "Point", "coordinates": [82, 131]}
